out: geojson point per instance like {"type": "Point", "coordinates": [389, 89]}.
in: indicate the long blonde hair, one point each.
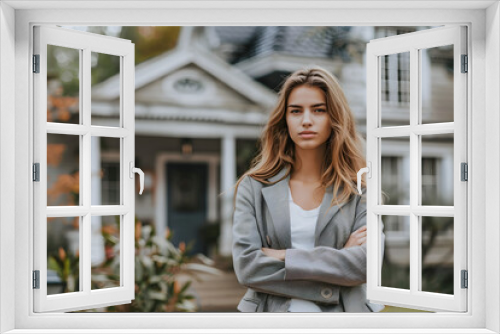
{"type": "Point", "coordinates": [277, 149]}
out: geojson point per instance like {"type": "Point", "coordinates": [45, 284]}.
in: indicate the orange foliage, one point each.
{"type": "Point", "coordinates": [138, 229]}
{"type": "Point", "coordinates": [62, 254]}
{"type": "Point", "coordinates": [76, 223]}
{"type": "Point", "coordinates": [55, 153]}
{"type": "Point", "coordinates": [182, 246]}
{"type": "Point", "coordinates": [60, 105]}
{"type": "Point", "coordinates": [110, 229]}
{"type": "Point", "coordinates": [65, 184]}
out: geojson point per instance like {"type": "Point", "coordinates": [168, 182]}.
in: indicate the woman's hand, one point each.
{"type": "Point", "coordinates": [357, 238]}
{"type": "Point", "coordinates": [276, 253]}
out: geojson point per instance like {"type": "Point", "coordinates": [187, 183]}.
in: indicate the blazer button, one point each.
{"type": "Point", "coordinates": [326, 293]}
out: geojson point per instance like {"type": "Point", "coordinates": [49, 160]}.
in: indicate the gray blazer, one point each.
{"type": "Point", "coordinates": [332, 277]}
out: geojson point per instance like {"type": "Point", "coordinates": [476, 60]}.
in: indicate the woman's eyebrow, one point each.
{"type": "Point", "coordinates": [314, 105]}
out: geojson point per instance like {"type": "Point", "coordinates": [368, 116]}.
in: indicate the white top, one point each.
{"type": "Point", "coordinates": [303, 224]}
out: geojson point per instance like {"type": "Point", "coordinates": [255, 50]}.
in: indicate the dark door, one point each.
{"type": "Point", "coordinates": [187, 203]}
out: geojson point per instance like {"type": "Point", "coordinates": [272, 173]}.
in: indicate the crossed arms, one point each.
{"type": "Point", "coordinates": [304, 272]}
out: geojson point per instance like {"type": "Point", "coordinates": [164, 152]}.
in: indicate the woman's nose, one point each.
{"type": "Point", "coordinates": [307, 117]}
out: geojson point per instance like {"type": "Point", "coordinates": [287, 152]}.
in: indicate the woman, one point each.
{"type": "Point", "coordinates": [299, 225]}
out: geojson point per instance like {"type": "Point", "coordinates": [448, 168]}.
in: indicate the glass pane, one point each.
{"type": "Point", "coordinates": [106, 93]}
{"type": "Point", "coordinates": [396, 259]}
{"type": "Point", "coordinates": [437, 254]}
{"type": "Point", "coordinates": [437, 169]}
{"type": "Point", "coordinates": [63, 249]}
{"type": "Point", "coordinates": [63, 169]}
{"type": "Point", "coordinates": [395, 89]}
{"type": "Point", "coordinates": [105, 250]}
{"type": "Point", "coordinates": [105, 156]}
{"type": "Point", "coordinates": [395, 171]}
{"type": "Point", "coordinates": [63, 84]}
{"type": "Point", "coordinates": [437, 84]}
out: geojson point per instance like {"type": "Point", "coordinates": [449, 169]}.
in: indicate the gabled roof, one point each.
{"type": "Point", "coordinates": [192, 49]}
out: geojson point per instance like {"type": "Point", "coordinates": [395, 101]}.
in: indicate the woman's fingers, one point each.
{"type": "Point", "coordinates": [357, 238]}
{"type": "Point", "coordinates": [361, 229]}
{"type": "Point", "coordinates": [361, 234]}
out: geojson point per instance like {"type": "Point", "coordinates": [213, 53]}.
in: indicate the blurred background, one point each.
{"type": "Point", "coordinates": [203, 95]}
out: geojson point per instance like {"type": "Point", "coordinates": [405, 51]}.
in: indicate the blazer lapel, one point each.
{"type": "Point", "coordinates": [325, 214]}
{"type": "Point", "coordinates": [276, 197]}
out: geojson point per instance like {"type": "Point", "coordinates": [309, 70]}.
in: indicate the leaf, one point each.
{"type": "Point", "coordinates": [139, 271]}
{"type": "Point", "coordinates": [187, 306]}
{"type": "Point", "coordinates": [201, 268]}
{"type": "Point", "coordinates": [155, 279]}
{"type": "Point", "coordinates": [185, 287]}
{"type": "Point", "coordinates": [157, 295]}
{"type": "Point", "coordinates": [52, 264]}
{"type": "Point", "coordinates": [160, 259]}
{"type": "Point", "coordinates": [206, 260]}
{"type": "Point", "coordinates": [147, 262]}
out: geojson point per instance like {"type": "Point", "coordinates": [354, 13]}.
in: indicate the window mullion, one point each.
{"type": "Point", "coordinates": [85, 160]}
{"type": "Point", "coordinates": [414, 170]}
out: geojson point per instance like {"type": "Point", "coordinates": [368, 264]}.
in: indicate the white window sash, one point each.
{"type": "Point", "coordinates": [414, 298]}
{"type": "Point", "coordinates": [85, 43]}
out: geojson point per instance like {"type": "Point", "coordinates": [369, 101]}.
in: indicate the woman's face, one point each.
{"type": "Point", "coordinates": [306, 117]}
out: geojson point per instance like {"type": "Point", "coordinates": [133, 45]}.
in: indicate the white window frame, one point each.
{"type": "Point", "coordinates": [483, 20]}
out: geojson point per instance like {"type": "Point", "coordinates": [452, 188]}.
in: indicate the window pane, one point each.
{"type": "Point", "coordinates": [63, 169]}
{"type": "Point", "coordinates": [105, 252]}
{"type": "Point", "coordinates": [105, 156]}
{"type": "Point", "coordinates": [395, 89]}
{"type": "Point", "coordinates": [437, 254]}
{"type": "Point", "coordinates": [437, 84]}
{"type": "Point", "coordinates": [106, 90]}
{"type": "Point", "coordinates": [396, 260]}
{"type": "Point", "coordinates": [437, 169]}
{"type": "Point", "coordinates": [63, 84]}
{"type": "Point", "coordinates": [63, 249]}
{"type": "Point", "coordinates": [395, 171]}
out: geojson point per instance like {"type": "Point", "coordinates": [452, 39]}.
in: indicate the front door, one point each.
{"type": "Point", "coordinates": [187, 203]}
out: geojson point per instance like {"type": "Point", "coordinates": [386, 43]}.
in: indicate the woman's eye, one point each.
{"type": "Point", "coordinates": [321, 110]}
{"type": "Point", "coordinates": [294, 110]}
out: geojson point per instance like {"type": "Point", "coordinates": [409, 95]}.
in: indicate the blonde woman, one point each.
{"type": "Point", "coordinates": [299, 224]}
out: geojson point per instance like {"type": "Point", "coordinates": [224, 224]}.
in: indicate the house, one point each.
{"type": "Point", "coordinates": [200, 109]}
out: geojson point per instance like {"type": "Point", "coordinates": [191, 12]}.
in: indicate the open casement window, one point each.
{"type": "Point", "coordinates": [82, 217]}
{"type": "Point", "coordinates": [417, 103]}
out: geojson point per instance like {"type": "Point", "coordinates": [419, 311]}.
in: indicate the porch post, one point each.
{"type": "Point", "coordinates": [228, 179]}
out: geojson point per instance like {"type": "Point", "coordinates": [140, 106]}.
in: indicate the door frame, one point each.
{"type": "Point", "coordinates": [212, 160]}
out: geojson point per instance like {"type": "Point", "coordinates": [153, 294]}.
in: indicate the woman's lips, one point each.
{"type": "Point", "coordinates": [307, 135]}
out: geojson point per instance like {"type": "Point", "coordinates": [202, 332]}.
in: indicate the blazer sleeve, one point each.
{"type": "Point", "coordinates": [258, 271]}
{"type": "Point", "coordinates": [346, 267]}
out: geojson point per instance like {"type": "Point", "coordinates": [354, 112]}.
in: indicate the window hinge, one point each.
{"type": "Point", "coordinates": [464, 171]}
{"type": "Point", "coordinates": [36, 172]}
{"type": "Point", "coordinates": [465, 279]}
{"type": "Point", "coordinates": [465, 64]}
{"type": "Point", "coordinates": [36, 279]}
{"type": "Point", "coordinates": [36, 63]}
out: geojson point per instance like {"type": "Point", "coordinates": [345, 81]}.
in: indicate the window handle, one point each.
{"type": "Point", "coordinates": [367, 170]}
{"type": "Point", "coordinates": [138, 171]}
